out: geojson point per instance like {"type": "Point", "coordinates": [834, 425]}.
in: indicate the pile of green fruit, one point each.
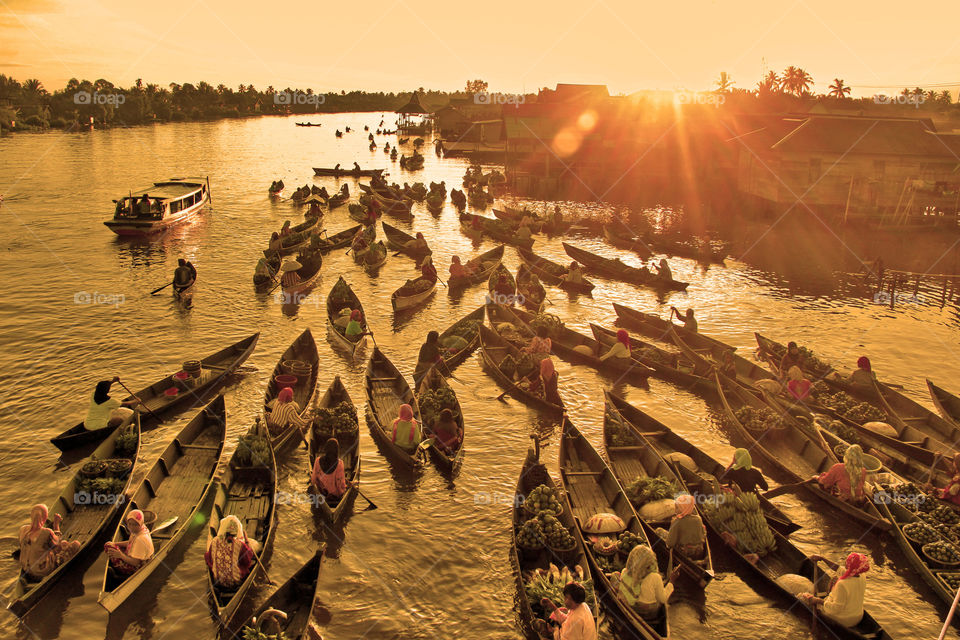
{"type": "Point", "coordinates": [920, 532]}
{"type": "Point", "coordinates": [100, 486]}
{"type": "Point", "coordinates": [942, 552]}
{"type": "Point", "coordinates": [628, 540]}
{"type": "Point", "coordinates": [530, 535]}
{"type": "Point", "coordinates": [550, 322]}
{"type": "Point", "coordinates": [952, 580]}
{"type": "Point", "coordinates": [609, 564]}
{"type": "Point", "coordinates": [842, 431]}
{"type": "Point", "coordinates": [742, 516]}
{"type": "Point", "coordinates": [433, 401]}
{"type": "Point", "coordinates": [864, 412]}
{"type": "Point", "coordinates": [251, 633]}
{"type": "Point", "coordinates": [646, 489]}
{"type": "Point", "coordinates": [340, 295]}
{"type": "Point", "coordinates": [761, 419]}
{"type": "Point", "coordinates": [127, 440]}
{"type": "Point", "coordinates": [949, 532]}
{"type": "Point", "coordinates": [656, 355]}
{"type": "Point", "coordinates": [549, 583]}
{"type": "Point", "coordinates": [338, 421]}
{"type": "Point", "coordinates": [252, 451]}
{"type": "Point", "coordinates": [620, 434]}
{"type": "Point", "coordinates": [556, 535]}
{"type": "Point", "coordinates": [945, 515]}
{"type": "Point", "coordinates": [543, 499]}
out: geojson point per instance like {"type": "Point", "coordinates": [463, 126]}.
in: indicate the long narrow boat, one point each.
{"type": "Point", "coordinates": [267, 278]}
{"type": "Point", "coordinates": [412, 293]}
{"type": "Point", "coordinates": [494, 350]}
{"type": "Point", "coordinates": [354, 173]}
{"type": "Point", "coordinates": [248, 493]}
{"type": "Point", "coordinates": [676, 450]}
{"type": "Point", "coordinates": [534, 300]}
{"type": "Point", "coordinates": [304, 350]}
{"type": "Point", "coordinates": [786, 559]}
{"type": "Point", "coordinates": [302, 279]}
{"type": "Point", "coordinates": [373, 258]}
{"type": "Point", "coordinates": [495, 229]}
{"type": "Point", "coordinates": [655, 327]}
{"type": "Point", "coordinates": [614, 268]}
{"type": "Point", "coordinates": [341, 296]}
{"type": "Point", "coordinates": [349, 453]}
{"type": "Point", "coordinates": [946, 403]}
{"type": "Point", "coordinates": [494, 279]}
{"type": "Point", "coordinates": [793, 451]}
{"type": "Point", "coordinates": [297, 238]}
{"type": "Point", "coordinates": [343, 238]}
{"type": "Point", "coordinates": [397, 208]}
{"type": "Point", "coordinates": [447, 461]}
{"type": "Point", "coordinates": [773, 351]}
{"type": "Point", "coordinates": [85, 515]}
{"type": "Point", "coordinates": [711, 356]}
{"type": "Point", "coordinates": [552, 273]}
{"type": "Point", "coordinates": [467, 329]}
{"type": "Point", "coordinates": [176, 486]}
{"type": "Point", "coordinates": [184, 294]}
{"type": "Point", "coordinates": [905, 412]}
{"type": "Point", "coordinates": [295, 599]}
{"type": "Point", "coordinates": [398, 239]}
{"type": "Point", "coordinates": [386, 389]}
{"type": "Point", "coordinates": [590, 488]}
{"type": "Point", "coordinates": [526, 563]}
{"type": "Point", "coordinates": [622, 238]}
{"type": "Point", "coordinates": [466, 229]}
{"type": "Point", "coordinates": [487, 262]}
{"type": "Point", "coordinates": [668, 364]}
{"type": "Point", "coordinates": [214, 370]}
{"type": "Point", "coordinates": [566, 342]}
{"type": "Point", "coordinates": [641, 460]}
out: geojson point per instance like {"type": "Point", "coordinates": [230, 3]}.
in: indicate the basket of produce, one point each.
{"type": "Point", "coordinates": [562, 545]}
{"type": "Point", "coordinates": [949, 578]}
{"type": "Point", "coordinates": [94, 469]}
{"type": "Point", "coordinates": [945, 515]}
{"type": "Point", "coordinates": [543, 499]}
{"type": "Point", "coordinates": [761, 420]}
{"type": "Point", "coordinates": [627, 541]}
{"type": "Point", "coordinates": [530, 539]}
{"type": "Point", "coordinates": [920, 532]}
{"type": "Point", "coordinates": [118, 467]}
{"type": "Point", "coordinates": [942, 553]}
{"type": "Point", "coordinates": [647, 489]}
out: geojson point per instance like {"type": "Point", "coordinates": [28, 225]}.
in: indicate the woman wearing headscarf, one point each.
{"type": "Point", "coordinates": [447, 431]}
{"type": "Point", "coordinates": [664, 272]}
{"type": "Point", "coordinates": [574, 275]}
{"type": "Point", "coordinates": [105, 411]}
{"type": "Point", "coordinates": [844, 603]}
{"type": "Point", "coordinates": [504, 289]}
{"type": "Point", "coordinates": [846, 479]}
{"type": "Point", "coordinates": [285, 412]}
{"type": "Point", "coordinates": [429, 356]}
{"type": "Point", "coordinates": [457, 269]}
{"type": "Point", "coordinates": [742, 473]}
{"type": "Point", "coordinates": [620, 349]}
{"type": "Point", "coordinates": [427, 270]}
{"type": "Point", "coordinates": [792, 358]}
{"type": "Point", "coordinates": [126, 557]}
{"type": "Point", "coordinates": [406, 429]}
{"type": "Point", "coordinates": [951, 492]}
{"type": "Point", "coordinates": [530, 288]}
{"type": "Point", "coordinates": [687, 533]}
{"type": "Point", "coordinates": [417, 246]}
{"type": "Point", "coordinates": [354, 329]}
{"type": "Point", "coordinates": [640, 584]}
{"type": "Point", "coordinates": [541, 344]}
{"type": "Point", "coordinates": [547, 382]}
{"type": "Point", "coordinates": [42, 549]}
{"type": "Point", "coordinates": [798, 386]}
{"type": "Point", "coordinates": [230, 555]}
{"type": "Point", "coordinates": [864, 375]}
{"type": "Point", "coordinates": [328, 474]}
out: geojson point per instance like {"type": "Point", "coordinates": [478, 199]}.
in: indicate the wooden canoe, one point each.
{"type": "Point", "coordinates": [466, 229]}
{"type": "Point", "coordinates": [494, 279]}
{"type": "Point", "coordinates": [84, 518]}
{"type": "Point", "coordinates": [671, 446]}
{"type": "Point", "coordinates": [184, 294]}
{"type": "Point", "coordinates": [591, 488]}
{"type": "Point", "coordinates": [303, 279]}
{"type": "Point", "coordinates": [338, 200]}
{"type": "Point", "coordinates": [447, 461]}
{"type": "Point", "coordinates": [946, 403]}
{"type": "Point", "coordinates": [622, 238]}
{"type": "Point", "coordinates": [532, 475]}
{"type": "Point", "coordinates": [386, 389]}
{"type": "Point", "coordinates": [493, 228]}
{"type": "Point", "coordinates": [668, 364]}
{"type": "Point", "coordinates": [905, 412]}
{"type": "Point", "coordinates": [451, 360]}
{"type": "Point", "coordinates": [343, 238]}
{"type": "Point", "coordinates": [710, 357]}
{"type": "Point", "coordinates": [794, 451]}
{"type": "Point", "coordinates": [493, 257]}
{"type": "Point", "coordinates": [494, 349]}
{"type": "Point", "coordinates": [295, 597]}
{"type": "Point", "coordinates": [533, 300]}
{"type": "Point", "coordinates": [398, 208]}
{"type": "Point", "coordinates": [788, 559]}
{"type": "Point", "coordinates": [513, 217]}
{"type": "Point", "coordinates": [617, 270]}
{"type": "Point", "coordinates": [564, 345]}
{"type": "Point", "coordinates": [176, 486]}
{"type": "Point", "coordinates": [214, 370]}
{"type": "Point", "coordinates": [397, 240]}
{"type": "Point", "coordinates": [249, 493]}
{"type": "Point", "coordinates": [349, 453]}
{"type": "Point", "coordinates": [271, 279]}
{"type": "Point", "coordinates": [304, 349]}
{"type": "Point", "coordinates": [642, 460]}
{"type": "Point", "coordinates": [346, 298]}
{"type": "Point", "coordinates": [298, 237]}
{"type": "Point", "coordinates": [373, 258]}
{"type": "Point", "coordinates": [362, 173]}
{"type": "Point", "coordinates": [552, 273]}
{"type": "Point", "coordinates": [653, 326]}
{"type": "Point", "coordinates": [774, 351]}
{"type": "Point", "coordinates": [402, 299]}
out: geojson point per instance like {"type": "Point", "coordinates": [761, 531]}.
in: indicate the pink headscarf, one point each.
{"type": "Point", "coordinates": [406, 412]}
{"type": "Point", "coordinates": [857, 563]}
{"type": "Point", "coordinates": [405, 415]}
{"type": "Point", "coordinates": [137, 515]}
{"type": "Point", "coordinates": [547, 370]}
{"type": "Point", "coordinates": [285, 395]}
{"type": "Point", "coordinates": [624, 338]}
{"type": "Point", "coordinates": [356, 315]}
{"type": "Point", "coordinates": [863, 362]}
{"type": "Point", "coordinates": [38, 517]}
{"type": "Point", "coordinates": [685, 506]}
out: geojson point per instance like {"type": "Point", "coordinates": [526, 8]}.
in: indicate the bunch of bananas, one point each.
{"type": "Point", "coordinates": [742, 516]}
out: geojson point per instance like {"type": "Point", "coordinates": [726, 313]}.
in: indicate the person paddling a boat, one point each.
{"type": "Point", "coordinates": [742, 473]}
{"type": "Point", "coordinates": [792, 358]}
{"type": "Point", "coordinates": [524, 234]}
{"type": "Point", "coordinates": [328, 475]}
{"type": "Point", "coordinates": [844, 603]}
{"type": "Point", "coordinates": [126, 557]}
{"type": "Point", "coordinates": [427, 270]}
{"type": "Point", "coordinates": [354, 329]}
{"type": "Point", "coordinates": [574, 274]}
{"type": "Point", "coordinates": [43, 549]}
{"type": "Point", "coordinates": [430, 355]}
{"type": "Point", "coordinates": [689, 322]}
{"type": "Point", "coordinates": [105, 411]}
{"type": "Point", "coordinates": [664, 272]}
{"type": "Point", "coordinates": [285, 412]}
{"type": "Point", "coordinates": [864, 375]}
{"type": "Point", "coordinates": [545, 381]}
{"type": "Point", "coordinates": [447, 431]}
{"type": "Point", "coordinates": [230, 555]}
{"type": "Point", "coordinates": [459, 270]}
{"type": "Point", "coordinates": [620, 349]}
{"type": "Point", "coordinates": [951, 492]}
{"type": "Point", "coordinates": [640, 584]}
{"type": "Point", "coordinates": [573, 621]}
{"type": "Point", "coordinates": [406, 430]}
{"type": "Point", "coordinates": [687, 533]}
{"type": "Point", "coordinates": [417, 246]}
{"type": "Point", "coordinates": [504, 290]}
{"type": "Point", "coordinates": [846, 479]}
{"type": "Point", "coordinates": [183, 276]}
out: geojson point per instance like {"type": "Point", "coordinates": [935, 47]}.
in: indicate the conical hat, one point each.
{"type": "Point", "coordinates": [314, 198]}
{"type": "Point", "coordinates": [290, 265]}
{"type": "Point", "coordinates": [604, 523]}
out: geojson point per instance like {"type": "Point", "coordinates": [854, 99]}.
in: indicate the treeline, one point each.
{"type": "Point", "coordinates": [29, 105]}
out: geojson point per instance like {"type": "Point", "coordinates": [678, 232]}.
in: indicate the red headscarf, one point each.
{"type": "Point", "coordinates": [285, 395]}
{"type": "Point", "coordinates": [547, 370]}
{"type": "Point", "coordinates": [356, 315]}
{"type": "Point", "coordinates": [857, 563]}
{"type": "Point", "coordinates": [419, 236]}
{"type": "Point", "coordinates": [624, 338]}
{"type": "Point", "coordinates": [863, 362]}
{"type": "Point", "coordinates": [38, 517]}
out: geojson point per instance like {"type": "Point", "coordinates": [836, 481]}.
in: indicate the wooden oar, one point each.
{"type": "Point", "coordinates": [256, 556]}
{"type": "Point", "coordinates": [933, 464]}
{"type": "Point", "coordinates": [787, 488]}
{"type": "Point", "coordinates": [164, 525]}
{"type": "Point", "coordinates": [141, 402]}
{"type": "Point", "coordinates": [159, 289]}
{"type": "Point", "coordinates": [370, 505]}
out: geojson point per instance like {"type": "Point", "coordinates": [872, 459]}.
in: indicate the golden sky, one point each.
{"type": "Point", "coordinates": [397, 45]}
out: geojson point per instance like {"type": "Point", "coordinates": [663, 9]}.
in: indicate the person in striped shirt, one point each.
{"type": "Point", "coordinates": [285, 412]}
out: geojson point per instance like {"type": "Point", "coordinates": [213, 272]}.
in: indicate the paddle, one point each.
{"type": "Point", "coordinates": [256, 556]}
{"type": "Point", "coordinates": [141, 402]}
{"type": "Point", "coordinates": [813, 622]}
{"type": "Point", "coordinates": [159, 289]}
{"type": "Point", "coordinates": [933, 464]}
{"type": "Point", "coordinates": [787, 488]}
{"type": "Point", "coordinates": [370, 505]}
{"type": "Point", "coordinates": [164, 525]}
{"type": "Point", "coordinates": [425, 445]}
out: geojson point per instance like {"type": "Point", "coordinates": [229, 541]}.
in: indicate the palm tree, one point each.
{"type": "Point", "coordinates": [724, 82]}
{"type": "Point", "coordinates": [838, 89]}
{"type": "Point", "coordinates": [796, 80]}
{"type": "Point", "coordinates": [944, 97]}
{"type": "Point", "coordinates": [34, 87]}
{"type": "Point", "coordinates": [769, 84]}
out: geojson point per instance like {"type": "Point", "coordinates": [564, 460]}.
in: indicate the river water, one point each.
{"type": "Point", "coordinates": [432, 560]}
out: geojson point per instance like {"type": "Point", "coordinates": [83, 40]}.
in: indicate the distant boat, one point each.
{"type": "Point", "coordinates": [308, 124]}
{"type": "Point", "coordinates": [368, 173]}
{"type": "Point", "coordinates": [154, 209]}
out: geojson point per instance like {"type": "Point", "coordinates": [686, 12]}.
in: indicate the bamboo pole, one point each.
{"type": "Point", "coordinates": [849, 193]}
{"type": "Point", "coordinates": [953, 609]}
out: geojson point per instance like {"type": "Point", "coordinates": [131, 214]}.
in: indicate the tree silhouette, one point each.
{"type": "Point", "coordinates": [838, 89]}
{"type": "Point", "coordinates": [724, 82]}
